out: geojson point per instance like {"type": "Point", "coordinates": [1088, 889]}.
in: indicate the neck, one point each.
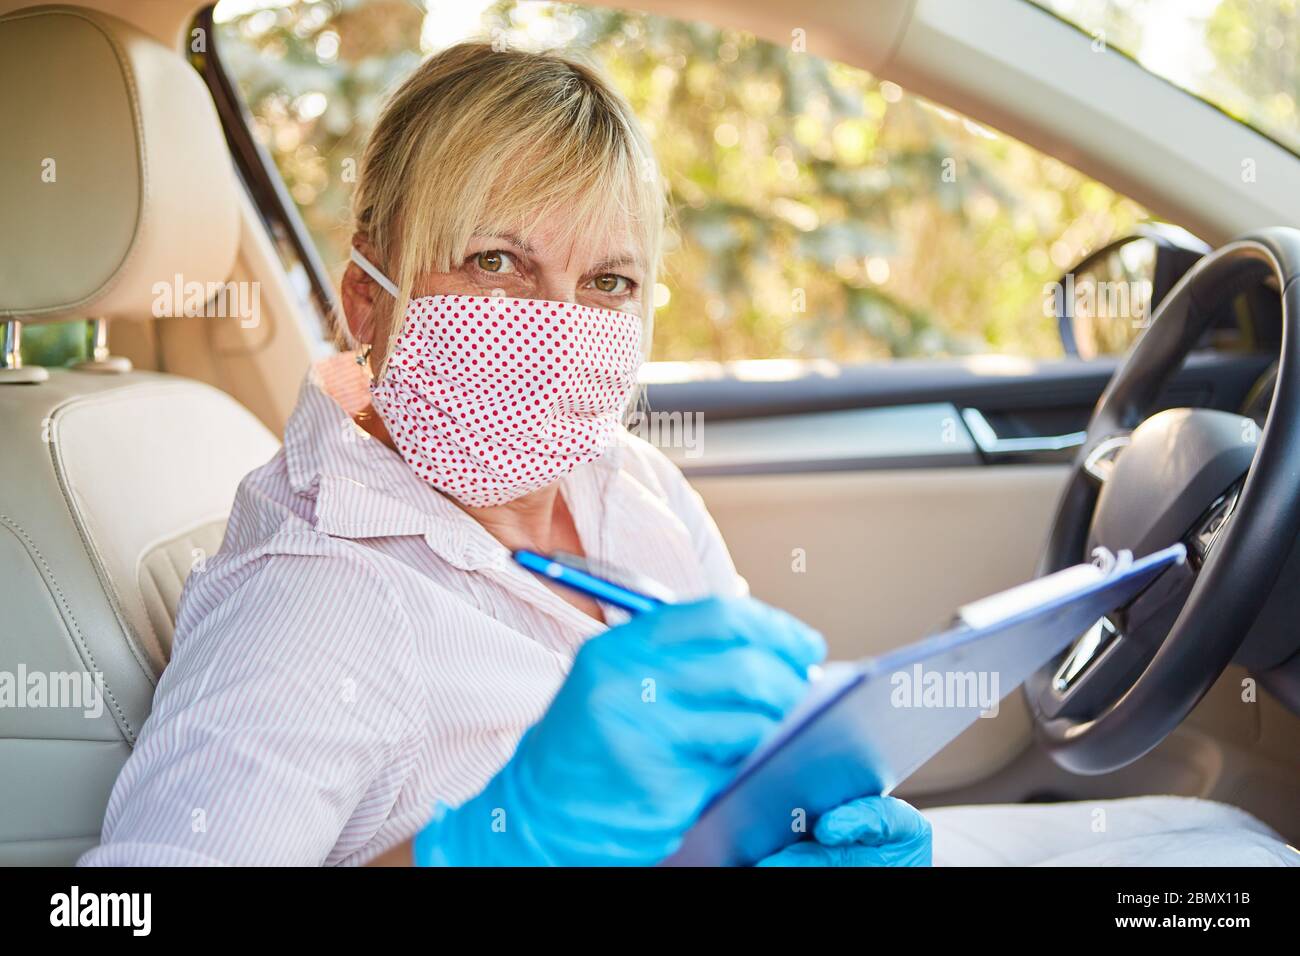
{"type": "Point", "coordinates": [537, 521]}
{"type": "Point", "coordinates": [532, 521]}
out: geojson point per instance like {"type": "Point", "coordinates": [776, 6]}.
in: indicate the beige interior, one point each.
{"type": "Point", "coordinates": [872, 542]}
{"type": "Point", "coordinates": [113, 487]}
{"type": "Point", "coordinates": [110, 493]}
{"type": "Point", "coordinates": [261, 363]}
{"type": "Point", "coordinates": [886, 557]}
{"type": "Point", "coordinates": [891, 559]}
{"type": "Point", "coordinates": [143, 192]}
{"type": "Point", "coordinates": [137, 164]}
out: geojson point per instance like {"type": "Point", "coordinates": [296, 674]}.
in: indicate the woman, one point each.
{"type": "Point", "coordinates": [362, 649]}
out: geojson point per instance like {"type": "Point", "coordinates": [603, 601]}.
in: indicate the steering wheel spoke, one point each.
{"type": "Point", "coordinates": [1210, 528]}
{"type": "Point", "coordinates": [1099, 661]}
{"type": "Point", "coordinates": [1110, 654]}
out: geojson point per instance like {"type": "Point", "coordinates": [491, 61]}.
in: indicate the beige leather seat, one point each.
{"type": "Point", "coordinates": [113, 487]}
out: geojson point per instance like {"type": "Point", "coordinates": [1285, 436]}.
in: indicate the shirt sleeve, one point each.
{"type": "Point", "coordinates": [281, 709]}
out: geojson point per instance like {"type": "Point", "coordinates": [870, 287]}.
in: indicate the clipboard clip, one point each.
{"type": "Point", "coordinates": [1108, 561]}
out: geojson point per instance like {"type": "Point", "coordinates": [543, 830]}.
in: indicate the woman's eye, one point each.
{"type": "Point", "coordinates": [494, 260]}
{"type": "Point", "coordinates": [612, 284]}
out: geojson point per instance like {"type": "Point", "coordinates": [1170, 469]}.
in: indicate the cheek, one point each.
{"type": "Point", "coordinates": [450, 283]}
{"type": "Point", "coordinates": [610, 303]}
{"type": "Point", "coordinates": [476, 282]}
{"type": "Point", "coordinates": [510, 285]}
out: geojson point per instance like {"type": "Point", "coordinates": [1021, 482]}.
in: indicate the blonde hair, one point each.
{"type": "Point", "coordinates": [485, 140]}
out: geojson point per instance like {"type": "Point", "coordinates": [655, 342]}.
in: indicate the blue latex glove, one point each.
{"type": "Point", "coordinates": [650, 723]}
{"type": "Point", "coordinates": [869, 831]}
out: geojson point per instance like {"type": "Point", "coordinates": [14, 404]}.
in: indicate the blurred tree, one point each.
{"type": "Point", "coordinates": [54, 344]}
{"type": "Point", "coordinates": [1239, 55]}
{"type": "Point", "coordinates": [820, 212]}
{"type": "Point", "coordinates": [1256, 75]}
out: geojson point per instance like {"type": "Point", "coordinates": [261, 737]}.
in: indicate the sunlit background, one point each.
{"type": "Point", "coordinates": [813, 216]}
{"type": "Point", "coordinates": [1239, 55]}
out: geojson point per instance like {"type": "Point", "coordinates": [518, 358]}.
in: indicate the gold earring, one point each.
{"type": "Point", "coordinates": [364, 355]}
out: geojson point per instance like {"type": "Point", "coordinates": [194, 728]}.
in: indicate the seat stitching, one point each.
{"type": "Point", "coordinates": [92, 551]}
{"type": "Point", "coordinates": [76, 403]}
{"type": "Point", "coordinates": [52, 582]}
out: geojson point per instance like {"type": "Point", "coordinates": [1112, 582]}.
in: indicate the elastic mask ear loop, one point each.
{"type": "Point", "coordinates": [387, 285]}
{"type": "Point", "coordinates": [371, 270]}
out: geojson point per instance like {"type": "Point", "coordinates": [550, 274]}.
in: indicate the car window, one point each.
{"type": "Point", "coordinates": [1238, 55]}
{"type": "Point", "coordinates": [820, 213]}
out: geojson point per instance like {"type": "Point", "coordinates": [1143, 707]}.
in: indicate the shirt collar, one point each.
{"type": "Point", "coordinates": [363, 489]}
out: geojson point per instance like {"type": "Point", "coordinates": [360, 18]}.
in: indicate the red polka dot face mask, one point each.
{"type": "Point", "coordinates": [489, 398]}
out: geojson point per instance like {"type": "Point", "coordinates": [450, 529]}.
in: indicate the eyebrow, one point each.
{"type": "Point", "coordinates": [615, 262]}
{"type": "Point", "coordinates": [509, 237]}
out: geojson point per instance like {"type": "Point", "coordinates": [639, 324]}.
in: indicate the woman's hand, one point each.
{"type": "Point", "coordinates": [870, 831]}
{"type": "Point", "coordinates": [651, 722]}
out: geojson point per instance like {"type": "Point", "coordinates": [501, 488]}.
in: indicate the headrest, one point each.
{"type": "Point", "coordinates": [114, 173]}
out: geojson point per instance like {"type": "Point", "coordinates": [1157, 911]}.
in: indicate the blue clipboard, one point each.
{"type": "Point", "coordinates": [866, 726]}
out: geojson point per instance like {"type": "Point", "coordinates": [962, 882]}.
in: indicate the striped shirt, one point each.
{"type": "Point", "coordinates": [361, 648]}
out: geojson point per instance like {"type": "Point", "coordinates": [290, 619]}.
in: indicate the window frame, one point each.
{"type": "Point", "coordinates": [260, 177]}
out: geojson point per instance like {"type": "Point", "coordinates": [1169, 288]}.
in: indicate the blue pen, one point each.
{"type": "Point", "coordinates": [558, 569]}
{"type": "Point", "coordinates": [573, 572]}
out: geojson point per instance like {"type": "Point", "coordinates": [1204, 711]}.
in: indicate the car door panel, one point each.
{"type": "Point", "coordinates": [875, 559]}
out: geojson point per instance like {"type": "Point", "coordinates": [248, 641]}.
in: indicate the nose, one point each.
{"type": "Point", "coordinates": [558, 289]}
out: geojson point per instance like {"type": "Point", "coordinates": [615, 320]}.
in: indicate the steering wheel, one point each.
{"type": "Point", "coordinates": [1141, 482]}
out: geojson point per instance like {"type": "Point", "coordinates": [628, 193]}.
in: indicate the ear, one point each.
{"type": "Point", "coordinates": [362, 296]}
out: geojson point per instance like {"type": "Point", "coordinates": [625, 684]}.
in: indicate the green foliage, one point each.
{"type": "Point", "coordinates": [55, 344]}
{"type": "Point", "coordinates": [1258, 76]}
{"type": "Point", "coordinates": [1239, 55]}
{"type": "Point", "coordinates": [819, 212]}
